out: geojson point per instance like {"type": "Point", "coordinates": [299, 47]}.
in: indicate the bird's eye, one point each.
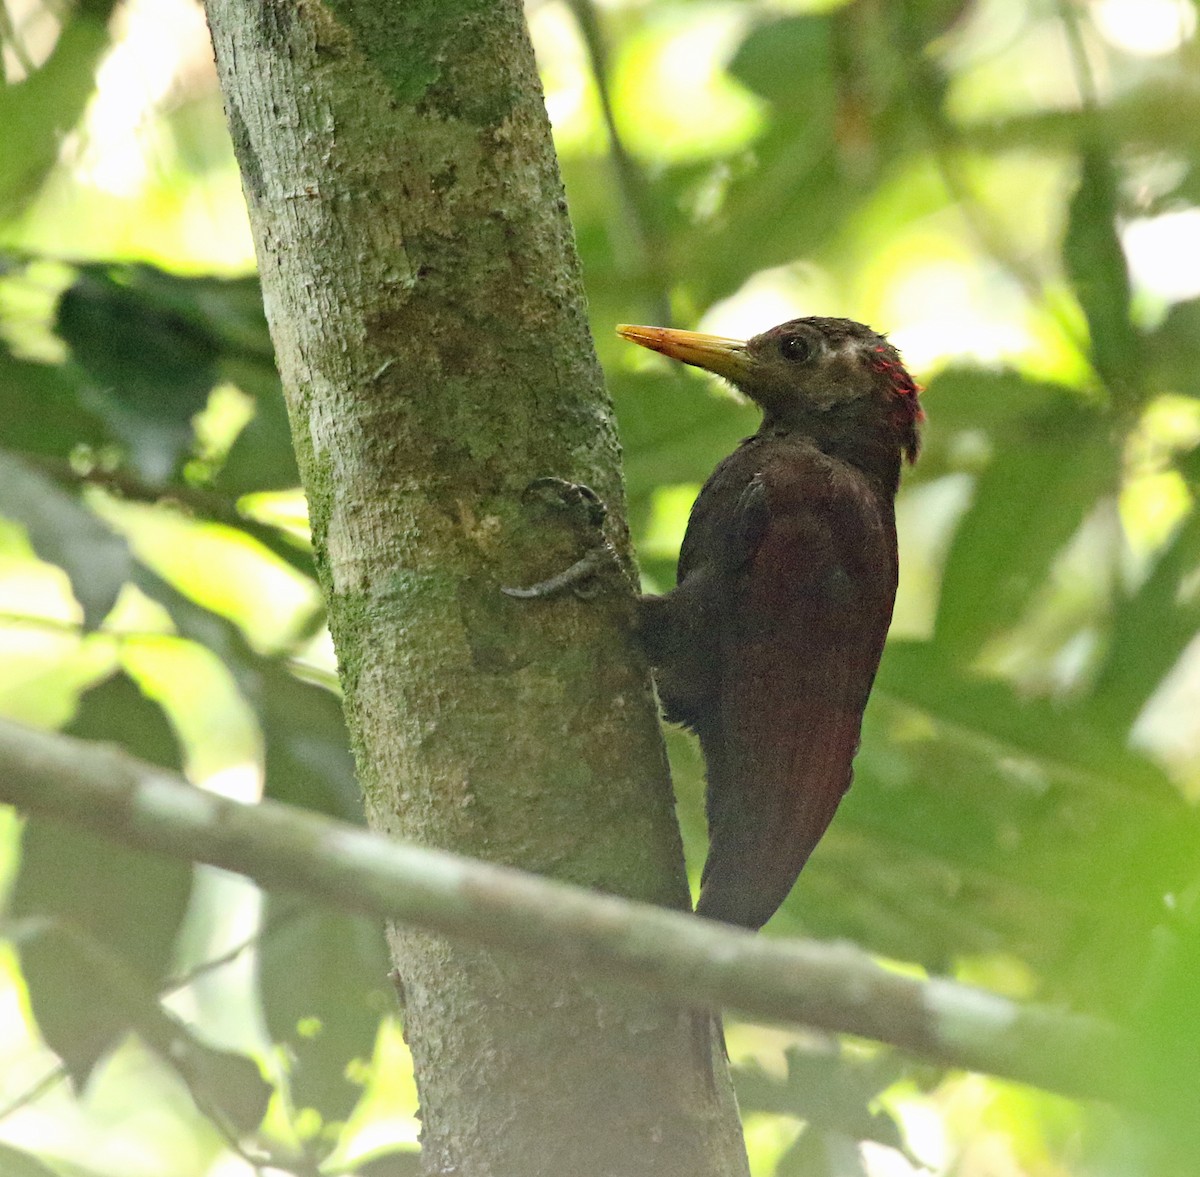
{"type": "Point", "coordinates": [795, 348]}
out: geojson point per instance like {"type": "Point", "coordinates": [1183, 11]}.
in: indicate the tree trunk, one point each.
{"type": "Point", "coordinates": [424, 299]}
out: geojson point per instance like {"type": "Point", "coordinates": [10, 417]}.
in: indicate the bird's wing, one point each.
{"type": "Point", "coordinates": [813, 580]}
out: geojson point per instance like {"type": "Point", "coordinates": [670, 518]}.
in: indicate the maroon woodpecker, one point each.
{"type": "Point", "coordinates": [769, 643]}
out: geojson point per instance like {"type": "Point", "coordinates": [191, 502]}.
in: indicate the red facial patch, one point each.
{"type": "Point", "coordinates": [888, 364]}
{"type": "Point", "coordinates": [906, 413]}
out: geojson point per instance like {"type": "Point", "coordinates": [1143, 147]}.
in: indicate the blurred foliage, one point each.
{"type": "Point", "coordinates": [974, 176]}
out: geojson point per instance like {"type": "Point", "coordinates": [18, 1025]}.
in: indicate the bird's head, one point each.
{"type": "Point", "coordinates": [832, 380]}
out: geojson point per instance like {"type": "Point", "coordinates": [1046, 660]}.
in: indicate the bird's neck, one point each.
{"type": "Point", "coordinates": [873, 452]}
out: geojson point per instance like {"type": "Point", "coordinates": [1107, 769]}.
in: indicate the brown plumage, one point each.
{"type": "Point", "coordinates": [769, 644]}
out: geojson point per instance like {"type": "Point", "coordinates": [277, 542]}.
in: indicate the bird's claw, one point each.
{"type": "Point", "coordinates": [582, 577]}
{"type": "Point", "coordinates": [579, 578]}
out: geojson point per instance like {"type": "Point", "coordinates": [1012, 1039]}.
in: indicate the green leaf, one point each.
{"type": "Point", "coordinates": [321, 979]}
{"type": "Point", "coordinates": [981, 822]}
{"type": "Point", "coordinates": [105, 992]}
{"type": "Point", "coordinates": [1169, 1034]}
{"type": "Point", "coordinates": [841, 116]}
{"type": "Point", "coordinates": [36, 113]}
{"type": "Point", "coordinates": [768, 62]}
{"type": "Point", "coordinates": [1173, 351]}
{"type": "Point", "coordinates": [1045, 474]}
{"type": "Point", "coordinates": [1000, 404]}
{"type": "Point", "coordinates": [128, 903]}
{"type": "Point", "coordinates": [1161, 112]}
{"type": "Point", "coordinates": [821, 1154]}
{"type": "Point", "coordinates": [1096, 265]}
{"type": "Point", "coordinates": [794, 195]}
{"type": "Point", "coordinates": [308, 760]}
{"type": "Point", "coordinates": [64, 532]}
{"type": "Point", "coordinates": [1150, 629]}
{"type": "Point", "coordinates": [41, 410]}
{"type": "Point", "coordinates": [674, 429]}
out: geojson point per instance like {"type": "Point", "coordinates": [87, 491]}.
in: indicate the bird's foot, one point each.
{"type": "Point", "coordinates": [590, 511]}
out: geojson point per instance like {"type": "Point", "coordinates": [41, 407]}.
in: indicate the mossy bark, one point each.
{"type": "Point", "coordinates": [424, 299]}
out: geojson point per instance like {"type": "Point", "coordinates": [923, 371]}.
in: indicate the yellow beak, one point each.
{"type": "Point", "coordinates": [725, 357]}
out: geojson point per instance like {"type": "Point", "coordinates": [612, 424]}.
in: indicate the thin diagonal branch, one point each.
{"type": "Point", "coordinates": [694, 962]}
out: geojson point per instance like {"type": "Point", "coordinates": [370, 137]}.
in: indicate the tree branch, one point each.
{"type": "Point", "coordinates": [695, 962]}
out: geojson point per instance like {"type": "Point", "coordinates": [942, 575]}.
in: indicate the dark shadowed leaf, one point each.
{"type": "Point", "coordinates": [828, 1089]}
{"type": "Point", "coordinates": [790, 62]}
{"type": "Point", "coordinates": [222, 1082]}
{"type": "Point", "coordinates": [322, 979]}
{"type": "Point", "coordinates": [149, 366]}
{"type": "Point", "coordinates": [84, 999]}
{"type": "Point", "coordinates": [108, 993]}
{"type": "Point", "coordinates": [64, 532]}
{"type": "Point", "coordinates": [675, 429]}
{"type": "Point", "coordinates": [308, 759]}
